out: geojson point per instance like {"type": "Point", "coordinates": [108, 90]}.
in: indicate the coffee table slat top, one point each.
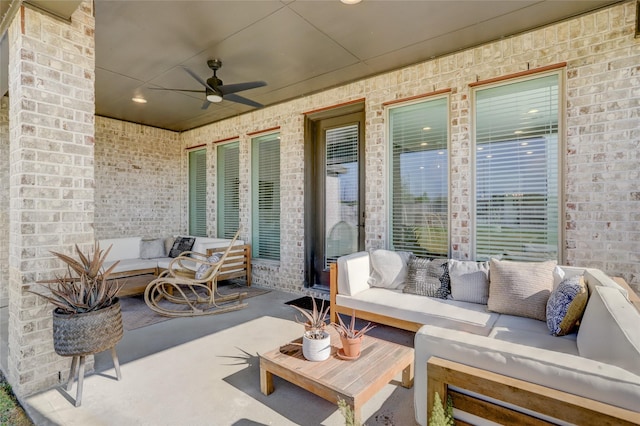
{"type": "Point", "coordinates": [355, 381]}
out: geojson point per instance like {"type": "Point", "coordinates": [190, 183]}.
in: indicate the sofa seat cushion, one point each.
{"type": "Point", "coordinates": [531, 332]}
{"type": "Point", "coordinates": [465, 316]}
{"type": "Point", "coordinates": [121, 248]}
{"type": "Point", "coordinates": [127, 265]}
{"type": "Point", "coordinates": [569, 373]}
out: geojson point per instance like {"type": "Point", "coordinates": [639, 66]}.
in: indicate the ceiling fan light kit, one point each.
{"type": "Point", "coordinates": [214, 89]}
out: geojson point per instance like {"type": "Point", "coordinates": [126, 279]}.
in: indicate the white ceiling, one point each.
{"type": "Point", "coordinates": [298, 47]}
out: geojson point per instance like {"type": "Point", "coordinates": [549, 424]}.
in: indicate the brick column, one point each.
{"type": "Point", "coordinates": [51, 182]}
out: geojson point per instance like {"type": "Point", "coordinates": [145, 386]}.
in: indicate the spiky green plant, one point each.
{"type": "Point", "coordinates": [350, 331]}
{"type": "Point", "coordinates": [347, 413]}
{"type": "Point", "coordinates": [86, 287]}
{"type": "Point", "coordinates": [316, 319]}
{"type": "Point", "coordinates": [439, 415]}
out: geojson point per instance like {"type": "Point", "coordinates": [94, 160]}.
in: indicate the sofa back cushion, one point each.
{"type": "Point", "coordinates": [353, 273]}
{"type": "Point", "coordinates": [520, 288]}
{"type": "Point", "coordinates": [122, 248]}
{"type": "Point", "coordinates": [610, 330]}
{"type": "Point", "coordinates": [388, 268]}
{"type": "Point", "coordinates": [469, 280]}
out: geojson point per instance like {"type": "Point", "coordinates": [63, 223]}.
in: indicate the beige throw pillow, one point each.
{"type": "Point", "coordinates": [520, 288]}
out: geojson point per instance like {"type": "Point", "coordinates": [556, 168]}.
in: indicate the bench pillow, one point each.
{"type": "Point", "coordinates": [469, 281]}
{"type": "Point", "coordinates": [427, 277]}
{"type": "Point", "coordinates": [151, 249]}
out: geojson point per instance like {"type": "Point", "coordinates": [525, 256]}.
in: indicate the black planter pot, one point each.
{"type": "Point", "coordinates": [87, 333]}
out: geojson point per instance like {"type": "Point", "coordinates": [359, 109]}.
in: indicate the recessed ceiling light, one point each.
{"type": "Point", "coordinates": [426, 128]}
{"type": "Point", "coordinates": [139, 100]}
{"type": "Point", "coordinates": [350, 1]}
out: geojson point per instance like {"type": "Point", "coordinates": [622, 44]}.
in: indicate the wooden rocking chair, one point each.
{"type": "Point", "coordinates": [196, 293]}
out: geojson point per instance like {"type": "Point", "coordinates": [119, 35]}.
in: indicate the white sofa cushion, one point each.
{"type": "Point", "coordinates": [388, 268]}
{"type": "Point", "coordinates": [126, 265]}
{"type": "Point", "coordinates": [353, 273]}
{"type": "Point", "coordinates": [464, 316]}
{"type": "Point", "coordinates": [469, 281]}
{"type": "Point", "coordinates": [568, 373]}
{"type": "Point", "coordinates": [531, 332]}
{"type": "Point", "coordinates": [610, 330]}
{"type": "Point", "coordinates": [122, 248]}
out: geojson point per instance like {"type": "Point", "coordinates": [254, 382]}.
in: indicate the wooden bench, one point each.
{"type": "Point", "coordinates": [550, 402]}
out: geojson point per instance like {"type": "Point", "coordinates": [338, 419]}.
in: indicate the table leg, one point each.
{"type": "Point", "coordinates": [266, 381]}
{"type": "Point", "coordinates": [407, 376]}
{"type": "Point", "coordinates": [80, 381]}
{"type": "Point", "coordinates": [72, 373]}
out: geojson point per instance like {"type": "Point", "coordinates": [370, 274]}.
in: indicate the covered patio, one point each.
{"type": "Point", "coordinates": [205, 371]}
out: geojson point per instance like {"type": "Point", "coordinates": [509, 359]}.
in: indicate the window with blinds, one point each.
{"type": "Point", "coordinates": [228, 169]}
{"type": "Point", "coordinates": [419, 177]}
{"type": "Point", "coordinates": [516, 163]}
{"type": "Point", "coordinates": [198, 193]}
{"type": "Point", "coordinates": [265, 160]}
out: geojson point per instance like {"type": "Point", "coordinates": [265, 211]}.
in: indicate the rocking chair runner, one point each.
{"type": "Point", "coordinates": [196, 293]}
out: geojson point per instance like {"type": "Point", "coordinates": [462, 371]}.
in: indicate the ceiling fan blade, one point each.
{"type": "Point", "coordinates": [205, 104]}
{"type": "Point", "coordinates": [239, 87]}
{"type": "Point", "coordinates": [198, 78]}
{"type": "Point", "coordinates": [178, 90]}
{"type": "Point", "coordinates": [239, 99]}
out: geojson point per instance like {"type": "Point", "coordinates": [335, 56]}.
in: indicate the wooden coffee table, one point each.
{"type": "Point", "coordinates": [353, 381]}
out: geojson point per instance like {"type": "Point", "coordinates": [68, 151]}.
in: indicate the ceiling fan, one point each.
{"type": "Point", "coordinates": [216, 91]}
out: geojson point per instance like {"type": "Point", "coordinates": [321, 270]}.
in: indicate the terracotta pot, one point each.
{"type": "Point", "coordinates": [351, 347]}
{"type": "Point", "coordinates": [316, 349]}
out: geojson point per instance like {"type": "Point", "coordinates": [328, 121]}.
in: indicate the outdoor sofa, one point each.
{"type": "Point", "coordinates": [501, 366]}
{"type": "Point", "coordinates": [138, 256]}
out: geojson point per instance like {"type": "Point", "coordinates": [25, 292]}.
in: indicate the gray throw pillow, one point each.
{"type": "Point", "coordinates": [469, 281]}
{"type": "Point", "coordinates": [427, 277]}
{"type": "Point", "coordinates": [151, 249]}
{"type": "Point", "coordinates": [202, 269]}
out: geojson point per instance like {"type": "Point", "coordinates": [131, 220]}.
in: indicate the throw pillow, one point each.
{"type": "Point", "coordinates": [520, 288]}
{"type": "Point", "coordinates": [389, 268]}
{"type": "Point", "coordinates": [202, 269]}
{"type": "Point", "coordinates": [469, 281]}
{"type": "Point", "coordinates": [566, 305]}
{"type": "Point", "coordinates": [427, 277]}
{"type": "Point", "coordinates": [150, 249]}
{"type": "Point", "coordinates": [181, 244]}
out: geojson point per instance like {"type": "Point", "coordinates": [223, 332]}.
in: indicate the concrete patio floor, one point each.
{"type": "Point", "coordinates": [205, 371]}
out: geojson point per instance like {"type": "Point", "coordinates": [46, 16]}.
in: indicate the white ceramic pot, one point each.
{"type": "Point", "coordinates": [316, 349]}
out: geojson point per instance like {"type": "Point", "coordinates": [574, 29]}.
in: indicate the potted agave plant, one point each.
{"type": "Point", "coordinates": [316, 342]}
{"type": "Point", "coordinates": [87, 317]}
{"type": "Point", "coordinates": [350, 337]}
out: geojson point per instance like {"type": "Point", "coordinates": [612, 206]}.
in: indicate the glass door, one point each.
{"type": "Point", "coordinates": [337, 193]}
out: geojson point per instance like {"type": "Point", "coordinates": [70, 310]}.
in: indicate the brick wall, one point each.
{"type": "Point", "coordinates": [4, 201]}
{"type": "Point", "coordinates": [139, 181]}
{"type": "Point", "coordinates": [51, 127]}
{"type": "Point", "coordinates": [602, 195]}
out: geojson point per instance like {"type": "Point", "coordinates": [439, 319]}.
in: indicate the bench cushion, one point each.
{"type": "Point", "coordinates": [122, 248]}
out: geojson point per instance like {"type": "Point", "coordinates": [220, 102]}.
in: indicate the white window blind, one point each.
{"type": "Point", "coordinates": [266, 197]}
{"type": "Point", "coordinates": [516, 150]}
{"type": "Point", "coordinates": [228, 189]}
{"type": "Point", "coordinates": [341, 192]}
{"type": "Point", "coordinates": [419, 178]}
{"type": "Point", "coordinates": [198, 193]}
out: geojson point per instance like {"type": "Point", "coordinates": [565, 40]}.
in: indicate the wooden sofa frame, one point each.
{"type": "Point", "coordinates": [547, 401]}
{"type": "Point", "coordinates": [237, 264]}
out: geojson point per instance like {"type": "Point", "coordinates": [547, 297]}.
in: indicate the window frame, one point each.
{"type": "Point", "coordinates": [220, 195]}
{"type": "Point", "coordinates": [190, 190]}
{"type": "Point", "coordinates": [432, 97]}
{"type": "Point", "coordinates": [560, 71]}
